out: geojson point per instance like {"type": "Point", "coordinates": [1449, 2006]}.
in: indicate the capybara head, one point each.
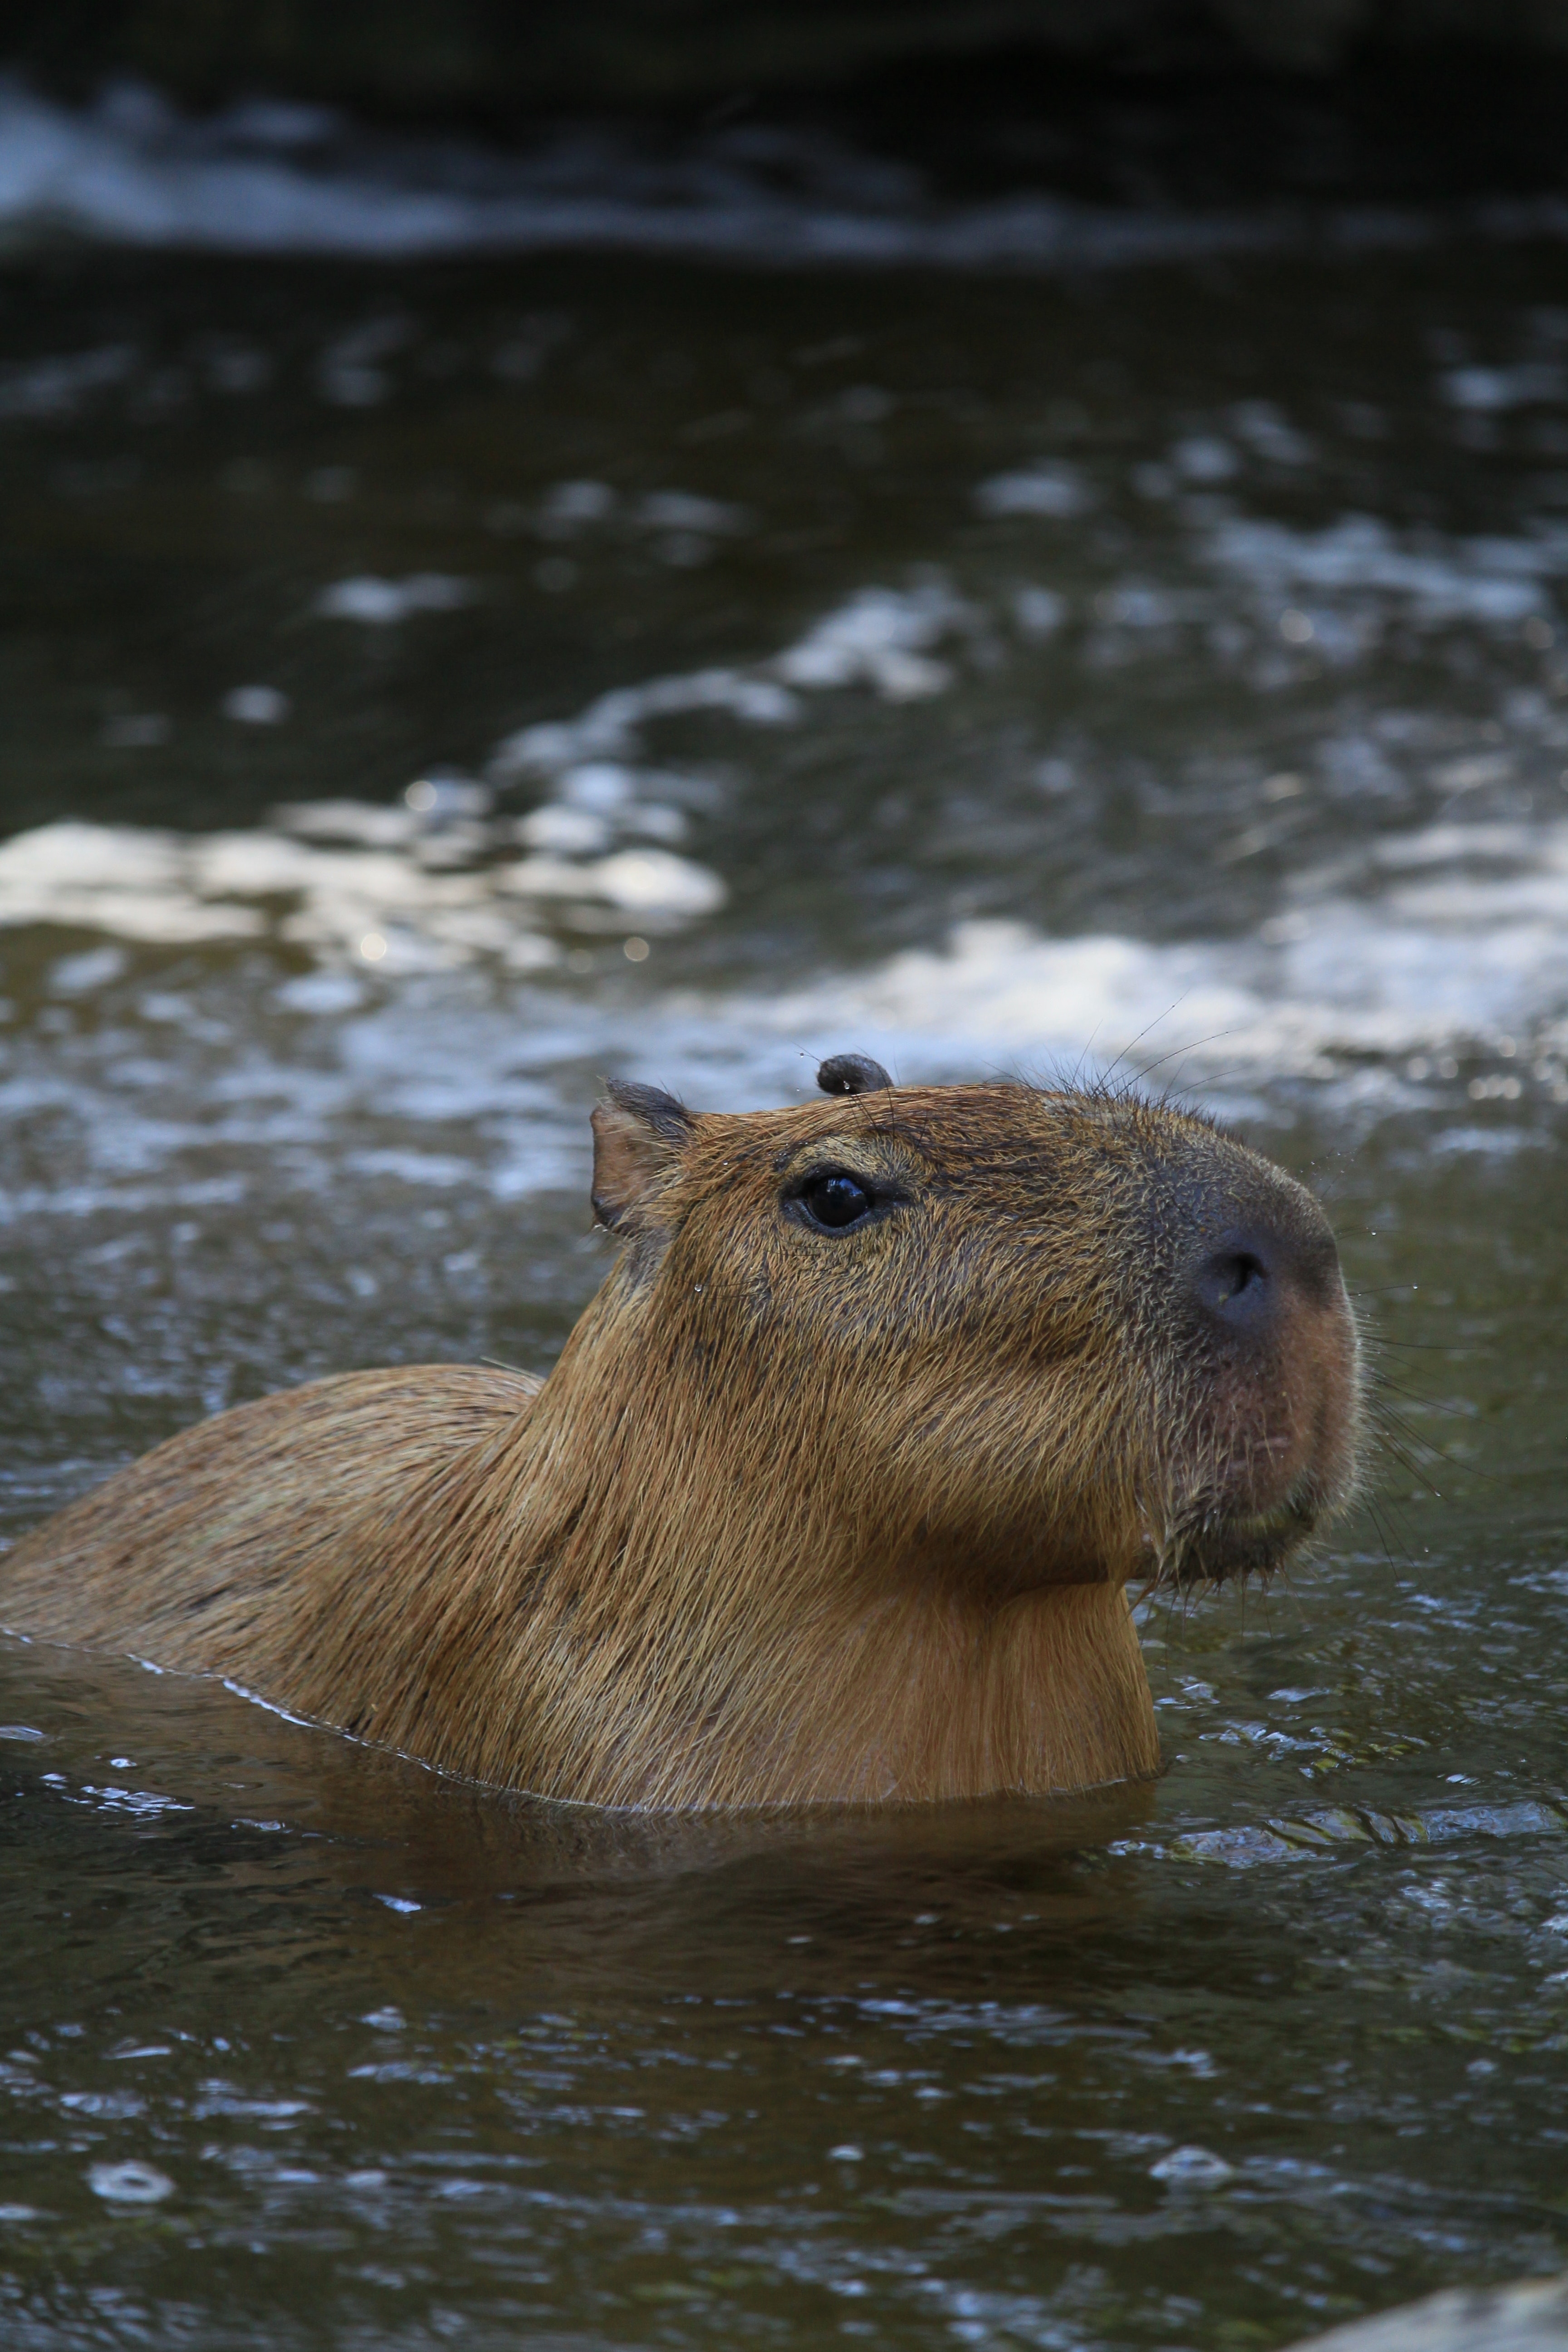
{"type": "Point", "coordinates": [1020, 1337]}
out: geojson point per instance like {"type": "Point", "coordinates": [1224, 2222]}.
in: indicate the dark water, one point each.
{"type": "Point", "coordinates": [1012, 667]}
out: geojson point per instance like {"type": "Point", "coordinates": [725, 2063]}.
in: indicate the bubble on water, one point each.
{"type": "Point", "coordinates": [1039, 612]}
{"type": "Point", "coordinates": [1055, 491]}
{"type": "Point", "coordinates": [640, 881]}
{"type": "Point", "coordinates": [256, 706]}
{"type": "Point", "coordinates": [319, 992]}
{"type": "Point", "coordinates": [566, 832]}
{"type": "Point", "coordinates": [1205, 457]}
{"type": "Point", "coordinates": [130, 2184]}
{"type": "Point", "coordinates": [357, 821]}
{"type": "Point", "coordinates": [569, 505]}
{"type": "Point", "coordinates": [656, 822]}
{"type": "Point", "coordinates": [1191, 2167]}
{"type": "Point", "coordinates": [442, 796]}
{"type": "Point", "coordinates": [602, 785]}
{"type": "Point", "coordinates": [80, 975]}
{"type": "Point", "coordinates": [376, 603]}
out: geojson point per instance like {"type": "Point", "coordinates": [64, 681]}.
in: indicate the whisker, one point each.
{"type": "Point", "coordinates": [1434, 1404]}
{"type": "Point", "coordinates": [1378, 1340]}
{"type": "Point", "coordinates": [1190, 1047]}
{"type": "Point", "coordinates": [1149, 1025]}
{"type": "Point", "coordinates": [1412, 1469]}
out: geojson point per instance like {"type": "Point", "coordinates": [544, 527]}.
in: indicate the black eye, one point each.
{"type": "Point", "coordinates": [835, 1202]}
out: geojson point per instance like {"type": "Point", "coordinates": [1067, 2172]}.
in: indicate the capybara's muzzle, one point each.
{"type": "Point", "coordinates": [1266, 1365]}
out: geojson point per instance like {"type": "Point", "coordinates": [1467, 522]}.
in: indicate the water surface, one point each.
{"type": "Point", "coordinates": [431, 686]}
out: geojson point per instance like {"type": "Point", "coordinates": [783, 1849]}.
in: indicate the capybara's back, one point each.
{"type": "Point", "coordinates": [835, 1493]}
{"type": "Point", "coordinates": [198, 1555]}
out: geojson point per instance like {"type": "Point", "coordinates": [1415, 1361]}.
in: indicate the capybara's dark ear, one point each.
{"type": "Point", "coordinates": [851, 1074]}
{"type": "Point", "coordinates": [639, 1133]}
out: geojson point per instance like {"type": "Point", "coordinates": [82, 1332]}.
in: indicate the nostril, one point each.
{"type": "Point", "coordinates": [1256, 1274]}
{"type": "Point", "coordinates": [1236, 1283]}
{"type": "Point", "coordinates": [1245, 1271]}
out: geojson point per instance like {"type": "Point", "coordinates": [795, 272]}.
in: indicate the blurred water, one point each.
{"type": "Point", "coordinates": [429, 687]}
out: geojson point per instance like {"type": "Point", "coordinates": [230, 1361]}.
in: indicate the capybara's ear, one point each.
{"type": "Point", "coordinates": [851, 1074]}
{"type": "Point", "coordinates": [639, 1133]}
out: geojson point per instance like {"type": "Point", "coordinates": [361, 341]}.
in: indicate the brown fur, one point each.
{"type": "Point", "coordinates": [798, 1517]}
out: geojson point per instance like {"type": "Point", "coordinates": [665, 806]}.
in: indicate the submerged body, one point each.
{"type": "Point", "coordinates": [835, 1493]}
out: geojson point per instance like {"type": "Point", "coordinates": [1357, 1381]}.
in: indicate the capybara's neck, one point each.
{"type": "Point", "coordinates": [631, 1597]}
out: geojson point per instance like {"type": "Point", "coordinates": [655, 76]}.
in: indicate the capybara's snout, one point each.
{"type": "Point", "coordinates": [1267, 1353]}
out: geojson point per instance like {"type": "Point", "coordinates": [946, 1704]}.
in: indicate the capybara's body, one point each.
{"type": "Point", "coordinates": [835, 1493]}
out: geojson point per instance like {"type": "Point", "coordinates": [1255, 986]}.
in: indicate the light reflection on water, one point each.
{"type": "Point", "coordinates": [974, 672]}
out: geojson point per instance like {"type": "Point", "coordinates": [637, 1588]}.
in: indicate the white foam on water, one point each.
{"type": "Point", "coordinates": [1459, 936]}
{"type": "Point", "coordinates": [270, 179]}
{"type": "Point", "coordinates": [1474, 953]}
{"type": "Point", "coordinates": [879, 637]}
{"type": "Point", "coordinates": [378, 905]}
{"type": "Point", "coordinates": [1465, 950]}
{"type": "Point", "coordinates": [638, 881]}
{"type": "Point", "coordinates": [1437, 939]}
{"type": "Point", "coordinates": [116, 878]}
{"type": "Point", "coordinates": [1494, 389]}
{"type": "Point", "coordinates": [1490, 580]}
{"type": "Point", "coordinates": [610, 728]}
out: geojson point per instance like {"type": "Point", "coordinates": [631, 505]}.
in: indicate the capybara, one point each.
{"type": "Point", "coordinates": [834, 1495]}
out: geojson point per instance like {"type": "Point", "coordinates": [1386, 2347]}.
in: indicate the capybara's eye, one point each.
{"type": "Point", "coordinates": [834, 1201]}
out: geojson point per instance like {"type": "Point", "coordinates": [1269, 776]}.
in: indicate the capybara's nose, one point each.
{"type": "Point", "coordinates": [1248, 1279]}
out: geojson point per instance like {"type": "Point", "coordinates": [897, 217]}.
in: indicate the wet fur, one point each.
{"type": "Point", "coordinates": [796, 1518]}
